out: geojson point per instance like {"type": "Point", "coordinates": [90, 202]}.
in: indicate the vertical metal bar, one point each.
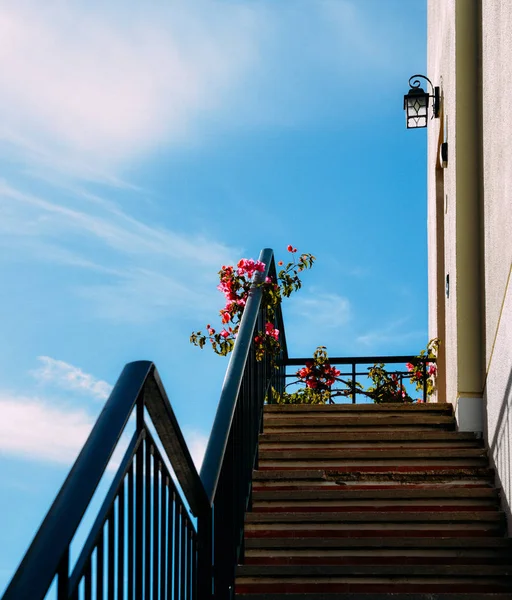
{"type": "Point", "coordinates": [63, 577]}
{"type": "Point", "coordinates": [100, 561]}
{"type": "Point", "coordinates": [131, 543]}
{"type": "Point", "coordinates": [156, 523]}
{"type": "Point", "coordinates": [111, 555]}
{"type": "Point", "coordinates": [190, 561]}
{"type": "Point", "coordinates": [88, 581]}
{"type": "Point", "coordinates": [176, 561]}
{"type": "Point", "coordinates": [204, 554]}
{"type": "Point", "coordinates": [147, 521]}
{"type": "Point", "coordinates": [163, 526]}
{"type": "Point", "coordinates": [171, 576]}
{"type": "Point", "coordinates": [120, 541]}
{"type": "Point", "coordinates": [139, 522]}
{"type": "Point", "coordinates": [183, 553]}
{"type": "Point", "coordinates": [353, 382]}
{"type": "Point", "coordinates": [194, 561]}
{"type": "Point", "coordinates": [424, 380]}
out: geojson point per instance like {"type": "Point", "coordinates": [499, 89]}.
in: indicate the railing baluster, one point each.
{"type": "Point", "coordinates": [131, 542]}
{"type": "Point", "coordinates": [88, 581]}
{"type": "Point", "coordinates": [193, 578]}
{"type": "Point", "coordinates": [147, 520]}
{"type": "Point", "coordinates": [176, 562]}
{"type": "Point", "coordinates": [171, 574]}
{"type": "Point", "coordinates": [163, 536]}
{"type": "Point", "coordinates": [110, 556]}
{"type": "Point", "coordinates": [100, 559]}
{"type": "Point", "coordinates": [183, 554]}
{"type": "Point", "coordinates": [63, 577]}
{"type": "Point", "coordinates": [120, 542]}
{"type": "Point", "coordinates": [156, 524]}
{"type": "Point", "coordinates": [139, 522]}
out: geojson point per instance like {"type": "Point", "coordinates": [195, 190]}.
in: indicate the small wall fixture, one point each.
{"type": "Point", "coordinates": [416, 103]}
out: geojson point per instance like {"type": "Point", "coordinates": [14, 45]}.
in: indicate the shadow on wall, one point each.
{"type": "Point", "coordinates": [500, 448]}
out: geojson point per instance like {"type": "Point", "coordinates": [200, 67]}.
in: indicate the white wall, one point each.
{"type": "Point", "coordinates": [497, 217]}
{"type": "Point", "coordinates": [442, 186]}
{"type": "Point", "coordinates": [495, 188]}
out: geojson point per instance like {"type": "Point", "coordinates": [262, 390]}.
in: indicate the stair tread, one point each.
{"type": "Point", "coordinates": [345, 407]}
{"type": "Point", "coordinates": [390, 475]}
{"type": "Point", "coordinates": [380, 542]}
{"type": "Point", "coordinates": [375, 435]}
{"type": "Point", "coordinates": [370, 516]}
{"type": "Point", "coordinates": [343, 492]}
{"type": "Point", "coordinates": [372, 570]}
{"type": "Point", "coordinates": [313, 454]}
{"type": "Point", "coordinates": [375, 596]}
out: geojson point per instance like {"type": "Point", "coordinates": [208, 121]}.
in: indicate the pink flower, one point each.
{"type": "Point", "coordinates": [280, 263]}
{"type": "Point", "coordinates": [226, 317]}
{"type": "Point", "coordinates": [290, 248]}
{"type": "Point", "coordinates": [432, 370]}
{"type": "Point", "coordinates": [224, 334]}
{"type": "Point", "coordinates": [410, 366]}
{"type": "Point", "coordinates": [269, 330]}
{"type": "Point", "coordinates": [248, 266]}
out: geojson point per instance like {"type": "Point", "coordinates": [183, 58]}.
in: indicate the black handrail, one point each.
{"type": "Point", "coordinates": [216, 448]}
{"type": "Point", "coordinates": [48, 555]}
{"type": "Point", "coordinates": [231, 454]}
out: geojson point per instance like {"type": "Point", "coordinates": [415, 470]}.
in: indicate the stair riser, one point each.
{"type": "Point", "coordinates": [391, 587]}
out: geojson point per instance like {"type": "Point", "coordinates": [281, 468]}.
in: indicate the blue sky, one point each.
{"type": "Point", "coordinates": [142, 146]}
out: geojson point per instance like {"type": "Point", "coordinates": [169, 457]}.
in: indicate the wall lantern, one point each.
{"type": "Point", "coordinates": [416, 103]}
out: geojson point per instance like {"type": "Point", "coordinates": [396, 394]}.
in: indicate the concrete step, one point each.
{"type": "Point", "coordinates": [314, 454]}
{"type": "Point", "coordinates": [399, 543]}
{"type": "Point", "coordinates": [391, 407]}
{"type": "Point", "coordinates": [378, 494]}
{"type": "Point", "coordinates": [308, 477]}
{"type": "Point", "coordinates": [391, 437]}
{"type": "Point", "coordinates": [375, 596]}
{"type": "Point", "coordinates": [273, 423]}
{"type": "Point", "coordinates": [378, 517]}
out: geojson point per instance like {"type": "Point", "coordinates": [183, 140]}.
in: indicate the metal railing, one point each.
{"type": "Point", "coordinates": [354, 370]}
{"type": "Point", "coordinates": [232, 450]}
{"type": "Point", "coordinates": [143, 543]}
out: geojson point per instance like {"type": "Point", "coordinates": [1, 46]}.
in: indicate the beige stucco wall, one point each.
{"type": "Point", "coordinates": [442, 187]}
{"type": "Point", "coordinates": [478, 313]}
{"type": "Point", "coordinates": [497, 218]}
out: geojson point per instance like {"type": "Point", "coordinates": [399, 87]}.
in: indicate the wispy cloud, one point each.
{"type": "Point", "coordinates": [394, 334]}
{"type": "Point", "coordinates": [69, 377]}
{"type": "Point", "coordinates": [323, 308]}
{"type": "Point", "coordinates": [91, 85]}
{"type": "Point", "coordinates": [140, 270]}
{"type": "Point", "coordinates": [32, 428]}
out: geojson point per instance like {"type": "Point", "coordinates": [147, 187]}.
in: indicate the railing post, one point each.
{"type": "Point", "coordinates": [63, 577]}
{"type": "Point", "coordinates": [204, 555]}
{"type": "Point", "coordinates": [424, 380]}
{"type": "Point", "coordinates": [353, 382]}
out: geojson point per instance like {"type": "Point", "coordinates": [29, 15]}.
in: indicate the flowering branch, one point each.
{"type": "Point", "coordinates": [235, 284]}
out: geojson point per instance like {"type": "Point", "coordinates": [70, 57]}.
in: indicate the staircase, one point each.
{"type": "Point", "coordinates": [373, 502]}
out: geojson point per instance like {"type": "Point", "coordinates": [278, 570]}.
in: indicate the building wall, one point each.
{"type": "Point", "coordinates": [496, 34]}
{"type": "Point", "coordinates": [470, 215]}
{"type": "Point", "coordinates": [442, 189]}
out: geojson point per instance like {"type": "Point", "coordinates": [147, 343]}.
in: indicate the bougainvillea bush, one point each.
{"type": "Point", "coordinates": [235, 284]}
